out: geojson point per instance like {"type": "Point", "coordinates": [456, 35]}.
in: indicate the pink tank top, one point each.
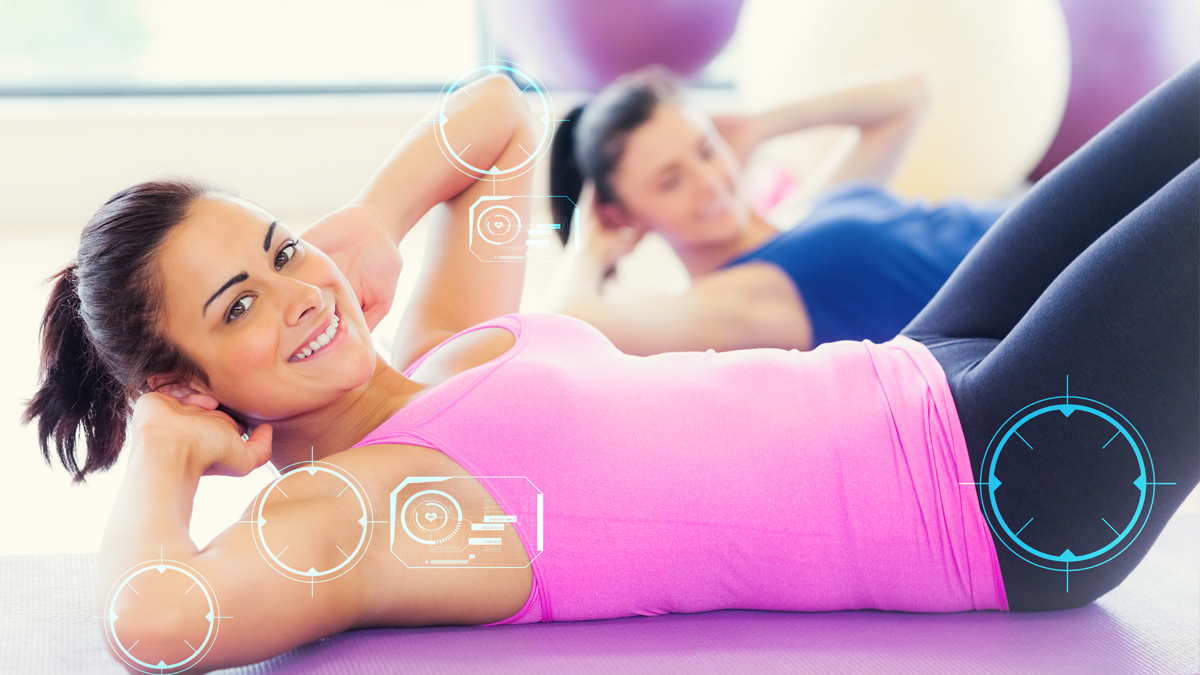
{"type": "Point", "coordinates": [687, 482]}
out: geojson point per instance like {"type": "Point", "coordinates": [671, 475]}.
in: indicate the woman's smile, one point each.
{"type": "Point", "coordinates": [718, 207]}
{"type": "Point", "coordinates": [322, 340]}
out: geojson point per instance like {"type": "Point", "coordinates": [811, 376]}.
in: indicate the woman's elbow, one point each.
{"type": "Point", "coordinates": [503, 94]}
{"type": "Point", "coordinates": [920, 92]}
{"type": "Point", "coordinates": [150, 630]}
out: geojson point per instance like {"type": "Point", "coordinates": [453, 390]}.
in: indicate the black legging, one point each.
{"type": "Point", "coordinates": [1092, 276]}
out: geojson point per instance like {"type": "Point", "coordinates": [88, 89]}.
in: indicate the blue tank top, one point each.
{"type": "Point", "coordinates": [865, 262]}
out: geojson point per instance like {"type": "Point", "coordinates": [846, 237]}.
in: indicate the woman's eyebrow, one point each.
{"type": "Point", "coordinates": [665, 169]}
{"type": "Point", "coordinates": [235, 280]}
{"type": "Point", "coordinates": [243, 276]}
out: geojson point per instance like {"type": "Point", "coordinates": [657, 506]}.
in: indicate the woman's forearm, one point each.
{"type": "Point", "coordinates": [874, 100]}
{"type": "Point", "coordinates": [582, 280]}
{"type": "Point", "coordinates": [483, 117]}
{"type": "Point", "coordinates": [153, 509]}
{"type": "Point", "coordinates": [149, 520]}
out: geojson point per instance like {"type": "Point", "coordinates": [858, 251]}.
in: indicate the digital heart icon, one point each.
{"type": "Point", "coordinates": [430, 517]}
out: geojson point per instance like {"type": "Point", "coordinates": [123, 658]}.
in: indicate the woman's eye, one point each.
{"type": "Point", "coordinates": [285, 254]}
{"type": "Point", "coordinates": [240, 307]}
{"type": "Point", "coordinates": [669, 183]}
{"type": "Point", "coordinates": [706, 151]}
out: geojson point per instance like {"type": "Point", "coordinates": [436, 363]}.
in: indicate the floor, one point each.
{"type": "Point", "coordinates": [1148, 624]}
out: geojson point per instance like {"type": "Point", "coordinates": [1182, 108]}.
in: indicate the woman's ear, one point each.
{"type": "Point", "coordinates": [612, 216]}
{"type": "Point", "coordinates": [187, 393]}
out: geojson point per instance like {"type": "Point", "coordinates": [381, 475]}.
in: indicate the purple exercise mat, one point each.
{"type": "Point", "coordinates": [1150, 624]}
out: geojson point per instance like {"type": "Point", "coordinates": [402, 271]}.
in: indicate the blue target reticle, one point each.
{"type": "Point", "coordinates": [543, 114]}
{"type": "Point", "coordinates": [208, 605]}
{"type": "Point", "coordinates": [1119, 503]}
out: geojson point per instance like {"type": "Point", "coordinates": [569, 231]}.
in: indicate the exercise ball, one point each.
{"type": "Point", "coordinates": [586, 44]}
{"type": "Point", "coordinates": [1120, 51]}
{"type": "Point", "coordinates": [998, 74]}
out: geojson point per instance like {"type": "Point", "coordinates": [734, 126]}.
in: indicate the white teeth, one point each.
{"type": "Point", "coordinates": [322, 340]}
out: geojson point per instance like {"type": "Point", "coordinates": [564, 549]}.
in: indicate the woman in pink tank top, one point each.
{"type": "Point", "coordinates": [519, 468]}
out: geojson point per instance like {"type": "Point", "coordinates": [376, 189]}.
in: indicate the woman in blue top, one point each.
{"type": "Point", "coordinates": [859, 266]}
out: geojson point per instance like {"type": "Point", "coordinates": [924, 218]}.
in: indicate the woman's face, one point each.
{"type": "Point", "coordinates": [244, 298]}
{"type": "Point", "coordinates": [678, 177]}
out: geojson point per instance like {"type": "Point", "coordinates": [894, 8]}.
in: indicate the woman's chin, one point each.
{"type": "Point", "coordinates": [324, 382]}
{"type": "Point", "coordinates": [717, 231]}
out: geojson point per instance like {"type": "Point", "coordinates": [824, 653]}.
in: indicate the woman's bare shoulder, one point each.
{"type": "Point", "coordinates": [752, 278]}
{"type": "Point", "coordinates": [464, 352]}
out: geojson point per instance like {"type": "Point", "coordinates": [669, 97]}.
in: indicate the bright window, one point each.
{"type": "Point", "coordinates": [104, 47]}
{"type": "Point", "coordinates": [49, 46]}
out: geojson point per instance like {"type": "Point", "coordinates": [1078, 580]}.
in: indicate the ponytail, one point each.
{"type": "Point", "coordinates": [589, 145]}
{"type": "Point", "coordinates": [76, 392]}
{"type": "Point", "coordinates": [566, 180]}
{"type": "Point", "coordinates": [101, 337]}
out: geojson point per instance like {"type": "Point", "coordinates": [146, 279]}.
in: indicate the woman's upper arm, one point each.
{"type": "Point", "coordinates": [751, 305]}
{"type": "Point", "coordinates": [456, 289]}
{"type": "Point", "coordinates": [260, 613]}
{"type": "Point", "coordinates": [881, 146]}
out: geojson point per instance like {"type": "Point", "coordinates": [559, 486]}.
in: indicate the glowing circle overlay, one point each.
{"type": "Point", "coordinates": [499, 214]}
{"type": "Point", "coordinates": [989, 482]}
{"type": "Point", "coordinates": [518, 73]}
{"type": "Point", "coordinates": [161, 668]}
{"type": "Point", "coordinates": [435, 521]}
{"type": "Point", "coordinates": [404, 517]}
{"type": "Point", "coordinates": [312, 575]}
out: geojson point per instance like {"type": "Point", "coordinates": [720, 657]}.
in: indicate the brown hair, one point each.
{"type": "Point", "coordinates": [590, 142]}
{"type": "Point", "coordinates": [101, 335]}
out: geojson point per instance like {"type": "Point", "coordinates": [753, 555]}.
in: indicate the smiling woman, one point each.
{"type": "Point", "coordinates": [252, 316]}
{"type": "Point", "coordinates": [218, 320]}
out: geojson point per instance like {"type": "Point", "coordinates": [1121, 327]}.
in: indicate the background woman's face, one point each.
{"type": "Point", "coordinates": [678, 177]}
{"type": "Point", "coordinates": [244, 297]}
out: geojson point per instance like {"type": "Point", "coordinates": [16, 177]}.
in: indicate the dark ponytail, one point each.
{"type": "Point", "coordinates": [77, 391]}
{"type": "Point", "coordinates": [565, 178]}
{"type": "Point", "coordinates": [101, 336]}
{"type": "Point", "coordinates": [590, 143]}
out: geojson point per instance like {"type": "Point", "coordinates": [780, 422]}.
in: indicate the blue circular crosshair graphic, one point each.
{"type": "Point", "coordinates": [1098, 435]}
{"type": "Point", "coordinates": [536, 94]}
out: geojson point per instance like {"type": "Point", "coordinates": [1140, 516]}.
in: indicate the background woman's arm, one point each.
{"type": "Point", "coordinates": [886, 108]}
{"type": "Point", "coordinates": [750, 305]}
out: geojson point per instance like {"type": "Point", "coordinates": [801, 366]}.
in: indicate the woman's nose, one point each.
{"type": "Point", "coordinates": [301, 299]}
{"type": "Point", "coordinates": [709, 183]}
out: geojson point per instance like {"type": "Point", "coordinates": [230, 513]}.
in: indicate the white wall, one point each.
{"type": "Point", "coordinates": [297, 156]}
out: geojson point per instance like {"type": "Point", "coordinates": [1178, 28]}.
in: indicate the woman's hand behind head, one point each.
{"type": "Point", "coordinates": [176, 416]}
{"type": "Point", "coordinates": [604, 240]}
{"type": "Point", "coordinates": [739, 133]}
{"type": "Point", "coordinates": [362, 250]}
